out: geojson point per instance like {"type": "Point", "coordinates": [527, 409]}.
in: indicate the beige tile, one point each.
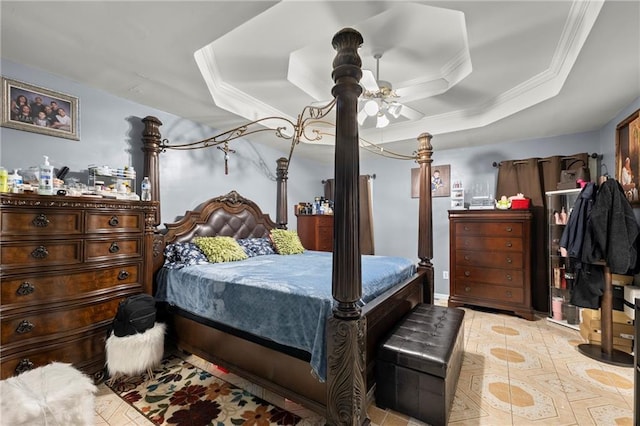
{"type": "Point", "coordinates": [515, 372]}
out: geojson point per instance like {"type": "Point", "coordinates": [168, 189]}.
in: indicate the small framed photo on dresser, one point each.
{"type": "Point", "coordinates": [39, 110]}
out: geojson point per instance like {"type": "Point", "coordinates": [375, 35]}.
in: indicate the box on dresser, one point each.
{"type": "Point", "coordinates": [66, 263]}
{"type": "Point", "coordinates": [490, 255]}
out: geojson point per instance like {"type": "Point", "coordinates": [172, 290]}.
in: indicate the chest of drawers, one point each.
{"type": "Point", "coordinates": [316, 231]}
{"type": "Point", "coordinates": [66, 263]}
{"type": "Point", "coordinates": [490, 260]}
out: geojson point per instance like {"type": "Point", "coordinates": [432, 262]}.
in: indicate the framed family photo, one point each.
{"type": "Point", "coordinates": [628, 155]}
{"type": "Point", "coordinates": [39, 110]}
{"type": "Point", "coordinates": [440, 181]}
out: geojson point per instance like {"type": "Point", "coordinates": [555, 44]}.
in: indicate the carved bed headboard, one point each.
{"type": "Point", "coordinates": [229, 215]}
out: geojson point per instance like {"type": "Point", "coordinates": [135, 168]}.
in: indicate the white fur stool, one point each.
{"type": "Point", "coordinates": [55, 394]}
{"type": "Point", "coordinates": [136, 353]}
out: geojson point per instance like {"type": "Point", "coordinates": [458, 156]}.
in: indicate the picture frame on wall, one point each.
{"type": "Point", "coordinates": [440, 181]}
{"type": "Point", "coordinates": [39, 110]}
{"type": "Point", "coordinates": [628, 156]}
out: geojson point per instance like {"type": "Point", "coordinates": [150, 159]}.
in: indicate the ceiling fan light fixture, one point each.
{"type": "Point", "coordinates": [383, 121]}
{"type": "Point", "coordinates": [394, 109]}
{"type": "Point", "coordinates": [371, 108]}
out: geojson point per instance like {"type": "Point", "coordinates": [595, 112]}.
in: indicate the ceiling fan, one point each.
{"type": "Point", "coordinates": [380, 100]}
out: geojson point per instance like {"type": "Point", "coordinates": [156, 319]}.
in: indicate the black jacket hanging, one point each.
{"type": "Point", "coordinates": [610, 237]}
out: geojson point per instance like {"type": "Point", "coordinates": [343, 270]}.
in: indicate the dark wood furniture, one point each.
{"type": "Point", "coordinates": [316, 231]}
{"type": "Point", "coordinates": [636, 365]}
{"type": "Point", "coordinates": [352, 331]}
{"type": "Point", "coordinates": [490, 256]}
{"type": "Point", "coordinates": [66, 264]}
{"type": "Point", "coordinates": [419, 364]}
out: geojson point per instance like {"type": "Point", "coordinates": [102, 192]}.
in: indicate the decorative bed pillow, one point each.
{"type": "Point", "coordinates": [256, 246]}
{"type": "Point", "coordinates": [286, 242]}
{"type": "Point", "coordinates": [179, 255]}
{"type": "Point", "coordinates": [220, 249]}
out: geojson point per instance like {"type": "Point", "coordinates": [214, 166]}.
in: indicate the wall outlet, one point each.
{"type": "Point", "coordinates": [445, 275]}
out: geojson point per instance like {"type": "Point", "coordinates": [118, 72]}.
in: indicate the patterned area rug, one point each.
{"type": "Point", "coordinates": [182, 394]}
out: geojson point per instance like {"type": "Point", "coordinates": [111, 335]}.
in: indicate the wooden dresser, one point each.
{"type": "Point", "coordinates": [490, 256]}
{"type": "Point", "coordinates": [316, 231]}
{"type": "Point", "coordinates": [66, 263]}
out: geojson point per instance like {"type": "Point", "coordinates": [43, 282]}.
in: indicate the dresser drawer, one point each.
{"type": "Point", "coordinates": [490, 244]}
{"type": "Point", "coordinates": [80, 350]}
{"type": "Point", "coordinates": [490, 292]}
{"type": "Point", "coordinates": [113, 248]}
{"type": "Point", "coordinates": [509, 277]}
{"type": "Point", "coordinates": [109, 222]}
{"type": "Point", "coordinates": [23, 328]}
{"type": "Point", "coordinates": [491, 229]}
{"type": "Point", "coordinates": [497, 259]}
{"type": "Point", "coordinates": [51, 287]}
{"type": "Point", "coordinates": [45, 253]}
{"type": "Point", "coordinates": [40, 222]}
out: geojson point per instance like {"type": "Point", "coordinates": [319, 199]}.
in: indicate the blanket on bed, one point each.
{"type": "Point", "coordinates": [286, 299]}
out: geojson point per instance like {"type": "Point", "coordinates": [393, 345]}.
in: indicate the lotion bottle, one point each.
{"type": "Point", "coordinates": [45, 178]}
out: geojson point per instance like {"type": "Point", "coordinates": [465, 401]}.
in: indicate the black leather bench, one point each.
{"type": "Point", "coordinates": [418, 364]}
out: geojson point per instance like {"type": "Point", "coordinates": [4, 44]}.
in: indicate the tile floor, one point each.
{"type": "Point", "coordinates": [515, 372]}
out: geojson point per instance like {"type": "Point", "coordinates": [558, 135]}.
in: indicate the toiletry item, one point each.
{"type": "Point", "coordinates": [145, 187]}
{"type": "Point", "coordinates": [15, 182]}
{"type": "Point", "coordinates": [62, 173]}
{"type": "Point", "coordinates": [4, 177]}
{"type": "Point", "coordinates": [563, 216]}
{"type": "Point", "coordinates": [45, 178]}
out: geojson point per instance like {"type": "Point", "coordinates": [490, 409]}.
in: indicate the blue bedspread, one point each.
{"type": "Point", "coordinates": [286, 299]}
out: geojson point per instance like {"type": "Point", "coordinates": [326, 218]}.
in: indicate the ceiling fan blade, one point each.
{"type": "Point", "coordinates": [368, 81]}
{"type": "Point", "coordinates": [410, 113]}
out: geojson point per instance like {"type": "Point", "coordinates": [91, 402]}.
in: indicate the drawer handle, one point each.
{"type": "Point", "coordinates": [508, 293]}
{"type": "Point", "coordinates": [467, 257]}
{"type": "Point", "coordinates": [25, 289]}
{"type": "Point", "coordinates": [509, 260]}
{"type": "Point", "coordinates": [467, 289]}
{"type": "Point", "coordinates": [114, 221]}
{"type": "Point", "coordinates": [123, 275]}
{"type": "Point", "coordinates": [467, 273]}
{"type": "Point", "coordinates": [25, 364]}
{"type": "Point", "coordinates": [466, 228]}
{"type": "Point", "coordinates": [509, 277]}
{"type": "Point", "coordinates": [40, 221]}
{"type": "Point", "coordinates": [40, 253]}
{"type": "Point", "coordinates": [24, 327]}
{"type": "Point", "coordinates": [509, 229]}
{"type": "Point", "coordinates": [114, 248]}
{"type": "Point", "coordinates": [509, 244]}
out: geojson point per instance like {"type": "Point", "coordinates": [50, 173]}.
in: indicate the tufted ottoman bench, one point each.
{"type": "Point", "coordinates": [418, 364]}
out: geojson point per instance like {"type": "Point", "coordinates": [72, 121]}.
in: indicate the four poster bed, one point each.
{"type": "Point", "coordinates": [355, 317]}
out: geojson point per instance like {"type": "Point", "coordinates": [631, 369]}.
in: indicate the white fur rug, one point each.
{"type": "Point", "coordinates": [135, 354]}
{"type": "Point", "coordinates": [53, 395]}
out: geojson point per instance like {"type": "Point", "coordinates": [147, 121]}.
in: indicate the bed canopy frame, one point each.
{"type": "Point", "coordinates": [346, 387]}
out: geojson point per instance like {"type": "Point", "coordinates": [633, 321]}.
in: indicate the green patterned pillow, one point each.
{"type": "Point", "coordinates": [286, 242]}
{"type": "Point", "coordinates": [220, 249]}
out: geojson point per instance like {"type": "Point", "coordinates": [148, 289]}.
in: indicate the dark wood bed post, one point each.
{"type": "Point", "coordinates": [346, 330]}
{"type": "Point", "coordinates": [425, 220]}
{"type": "Point", "coordinates": [281, 196]}
{"type": "Point", "coordinates": [151, 140]}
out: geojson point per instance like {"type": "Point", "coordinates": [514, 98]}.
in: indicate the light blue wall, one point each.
{"type": "Point", "coordinates": [110, 132]}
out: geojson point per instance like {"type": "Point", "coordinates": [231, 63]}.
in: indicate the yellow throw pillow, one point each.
{"type": "Point", "coordinates": [286, 242]}
{"type": "Point", "coordinates": [220, 249]}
